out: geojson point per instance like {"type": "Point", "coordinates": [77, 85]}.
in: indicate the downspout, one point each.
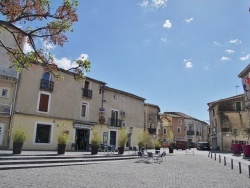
{"type": "Point", "coordinates": [12, 111]}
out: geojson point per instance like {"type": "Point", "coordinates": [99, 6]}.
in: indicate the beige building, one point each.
{"type": "Point", "coordinates": [8, 84]}
{"type": "Point", "coordinates": [44, 105]}
{"type": "Point", "coordinates": [225, 115]}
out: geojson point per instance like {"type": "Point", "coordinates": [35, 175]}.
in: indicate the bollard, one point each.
{"type": "Point", "coordinates": [249, 171]}
{"type": "Point", "coordinates": [232, 164]}
{"type": "Point", "coordinates": [208, 153]}
{"type": "Point", "coordinates": [211, 155]}
{"type": "Point", "coordinates": [225, 162]}
{"type": "Point", "coordinates": [215, 156]}
{"type": "Point", "coordinates": [219, 159]}
{"type": "Point", "coordinates": [239, 167]}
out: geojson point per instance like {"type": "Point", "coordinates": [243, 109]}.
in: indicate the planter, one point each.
{"type": "Point", "coordinates": [246, 150]}
{"type": "Point", "coordinates": [236, 148]}
{"type": "Point", "coordinates": [171, 150]}
{"type": "Point", "coordinates": [94, 150]}
{"type": "Point", "coordinates": [157, 150]}
{"type": "Point", "coordinates": [121, 149]}
{"type": "Point", "coordinates": [61, 148]}
{"type": "Point", "coordinates": [17, 147]}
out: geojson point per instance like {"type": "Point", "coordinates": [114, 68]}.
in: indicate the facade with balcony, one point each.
{"type": "Point", "coordinates": [44, 105]}
{"type": "Point", "coordinates": [225, 115]}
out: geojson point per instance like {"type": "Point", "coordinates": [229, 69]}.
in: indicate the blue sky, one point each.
{"type": "Point", "coordinates": [178, 54]}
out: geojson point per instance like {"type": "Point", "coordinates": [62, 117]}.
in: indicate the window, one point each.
{"type": "Point", "coordinates": [213, 112]}
{"type": "Point", "coordinates": [115, 97]}
{"type": "Point", "coordinates": [43, 133]}
{"type": "Point", "coordinates": [165, 131]}
{"type": "Point", "coordinates": [84, 110]}
{"type": "Point", "coordinates": [179, 122]}
{"type": "Point", "coordinates": [178, 130]}
{"type": "Point", "coordinates": [44, 102]}
{"type": "Point", "coordinates": [4, 92]}
{"type": "Point", "coordinates": [238, 106]}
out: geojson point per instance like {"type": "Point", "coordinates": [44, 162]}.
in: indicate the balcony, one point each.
{"type": "Point", "coordinates": [46, 85]}
{"type": "Point", "coordinates": [115, 122]}
{"type": "Point", "coordinates": [86, 93]}
{"type": "Point", "coordinates": [8, 73]}
{"type": "Point", "coordinates": [152, 130]}
{"type": "Point", "coordinates": [5, 109]}
{"type": "Point", "coordinates": [198, 133]}
{"type": "Point", "coordinates": [190, 132]}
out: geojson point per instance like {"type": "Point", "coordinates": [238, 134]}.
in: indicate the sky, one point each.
{"type": "Point", "coordinates": [177, 54]}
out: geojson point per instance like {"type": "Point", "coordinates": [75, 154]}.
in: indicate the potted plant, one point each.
{"type": "Point", "coordinates": [95, 143]}
{"type": "Point", "coordinates": [18, 136]}
{"type": "Point", "coordinates": [122, 139]}
{"type": "Point", "coordinates": [246, 147]}
{"type": "Point", "coordinates": [235, 146]}
{"type": "Point", "coordinates": [156, 144]}
{"type": "Point", "coordinates": [142, 140]}
{"type": "Point", "coordinates": [62, 140]}
{"type": "Point", "coordinates": [170, 137]}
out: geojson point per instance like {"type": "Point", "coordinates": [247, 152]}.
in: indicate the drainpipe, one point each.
{"type": "Point", "coordinates": [12, 111]}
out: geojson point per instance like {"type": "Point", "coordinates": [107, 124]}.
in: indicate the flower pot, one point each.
{"type": "Point", "coordinates": [236, 148]}
{"type": "Point", "coordinates": [121, 149]}
{"type": "Point", "coordinates": [94, 150]}
{"type": "Point", "coordinates": [246, 150]}
{"type": "Point", "coordinates": [171, 150]}
{"type": "Point", "coordinates": [17, 147]}
{"type": "Point", "coordinates": [157, 150]}
{"type": "Point", "coordinates": [61, 149]}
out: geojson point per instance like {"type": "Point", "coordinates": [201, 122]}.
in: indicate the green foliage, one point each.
{"type": "Point", "coordinates": [123, 136]}
{"type": "Point", "coordinates": [156, 143]}
{"type": "Point", "coordinates": [19, 134]}
{"type": "Point", "coordinates": [246, 132]}
{"type": "Point", "coordinates": [63, 135]}
{"type": "Point", "coordinates": [235, 133]}
{"type": "Point", "coordinates": [143, 138]}
{"type": "Point", "coordinates": [96, 139]}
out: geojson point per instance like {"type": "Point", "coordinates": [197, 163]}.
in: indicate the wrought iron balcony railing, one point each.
{"type": "Point", "coordinates": [5, 109]}
{"type": "Point", "coordinates": [46, 85]}
{"type": "Point", "coordinates": [151, 130]}
{"type": "Point", "coordinates": [190, 132]}
{"type": "Point", "coordinates": [115, 122]}
{"type": "Point", "coordinates": [86, 93]}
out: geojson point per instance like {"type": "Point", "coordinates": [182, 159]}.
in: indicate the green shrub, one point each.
{"type": "Point", "coordinates": [96, 139]}
{"type": "Point", "coordinates": [122, 138]}
{"type": "Point", "coordinates": [19, 134]}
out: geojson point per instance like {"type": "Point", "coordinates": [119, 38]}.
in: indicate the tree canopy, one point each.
{"type": "Point", "coordinates": [28, 20]}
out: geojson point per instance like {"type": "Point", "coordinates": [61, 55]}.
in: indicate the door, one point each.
{"type": "Point", "coordinates": [1, 133]}
{"type": "Point", "coordinates": [82, 139]}
{"type": "Point", "coordinates": [114, 118]}
{"type": "Point", "coordinates": [112, 140]}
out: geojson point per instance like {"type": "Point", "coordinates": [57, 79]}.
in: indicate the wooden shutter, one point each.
{"type": "Point", "coordinates": [44, 103]}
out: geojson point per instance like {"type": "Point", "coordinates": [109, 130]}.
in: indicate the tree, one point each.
{"type": "Point", "coordinates": [39, 20]}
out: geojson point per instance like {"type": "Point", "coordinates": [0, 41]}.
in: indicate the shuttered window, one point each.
{"type": "Point", "coordinates": [44, 103]}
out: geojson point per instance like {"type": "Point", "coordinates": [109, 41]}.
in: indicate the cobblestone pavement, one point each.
{"type": "Point", "coordinates": [177, 171]}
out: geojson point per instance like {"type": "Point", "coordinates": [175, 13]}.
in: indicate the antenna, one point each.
{"type": "Point", "coordinates": [236, 88]}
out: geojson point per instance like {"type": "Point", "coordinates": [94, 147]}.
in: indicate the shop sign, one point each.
{"type": "Point", "coordinates": [82, 126]}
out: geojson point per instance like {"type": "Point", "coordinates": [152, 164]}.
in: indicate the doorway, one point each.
{"type": "Point", "coordinates": [112, 140]}
{"type": "Point", "coordinates": [82, 139]}
{"type": "Point", "coordinates": [1, 133]}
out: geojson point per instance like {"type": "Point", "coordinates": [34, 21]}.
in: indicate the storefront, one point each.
{"type": "Point", "coordinates": [82, 136]}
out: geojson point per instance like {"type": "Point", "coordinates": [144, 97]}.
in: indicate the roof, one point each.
{"type": "Point", "coordinates": [124, 93]}
{"type": "Point", "coordinates": [153, 105]}
{"type": "Point", "coordinates": [226, 99]}
{"type": "Point", "coordinates": [244, 72]}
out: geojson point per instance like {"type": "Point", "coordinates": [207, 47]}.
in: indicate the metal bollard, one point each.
{"type": "Point", "coordinates": [211, 155]}
{"type": "Point", "coordinates": [208, 153]}
{"type": "Point", "coordinates": [225, 162]}
{"type": "Point", "coordinates": [219, 159]}
{"type": "Point", "coordinates": [232, 164]}
{"type": "Point", "coordinates": [215, 156]}
{"type": "Point", "coordinates": [239, 167]}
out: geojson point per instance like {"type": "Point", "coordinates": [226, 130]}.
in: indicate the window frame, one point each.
{"type": "Point", "coordinates": [38, 102]}
{"type": "Point", "coordinates": [179, 122]}
{"type": "Point", "coordinates": [178, 128]}
{"type": "Point", "coordinates": [51, 133]}
{"type": "Point", "coordinates": [86, 110]}
{"type": "Point", "coordinates": [7, 92]}
{"type": "Point", "coordinates": [238, 106]}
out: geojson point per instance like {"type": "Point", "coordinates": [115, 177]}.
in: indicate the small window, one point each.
{"type": "Point", "coordinates": [84, 110]}
{"type": "Point", "coordinates": [178, 130]}
{"type": "Point", "coordinates": [213, 112]}
{"type": "Point", "coordinates": [4, 93]}
{"type": "Point", "coordinates": [43, 133]}
{"type": "Point", "coordinates": [115, 97]}
{"type": "Point", "coordinates": [165, 131]}
{"type": "Point", "coordinates": [238, 106]}
{"type": "Point", "coordinates": [44, 102]}
{"type": "Point", "coordinates": [180, 122]}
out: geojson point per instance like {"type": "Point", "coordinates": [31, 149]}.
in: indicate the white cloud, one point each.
{"type": "Point", "coordinates": [153, 3]}
{"type": "Point", "coordinates": [167, 24]}
{"type": "Point", "coordinates": [225, 58]}
{"type": "Point", "coordinates": [235, 41]}
{"type": "Point", "coordinates": [27, 48]}
{"type": "Point", "coordinates": [229, 51]}
{"type": "Point", "coordinates": [188, 63]}
{"type": "Point", "coordinates": [216, 43]}
{"type": "Point", "coordinates": [66, 63]}
{"type": "Point", "coordinates": [189, 20]}
{"type": "Point", "coordinates": [245, 57]}
{"type": "Point", "coordinates": [163, 39]}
